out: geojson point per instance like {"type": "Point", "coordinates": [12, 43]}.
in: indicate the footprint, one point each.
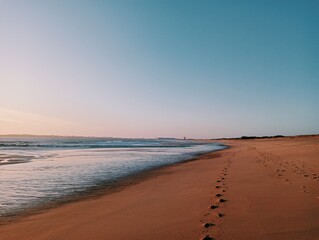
{"type": "Point", "coordinates": [207, 237]}
{"type": "Point", "coordinates": [220, 215]}
{"type": "Point", "coordinates": [208, 225]}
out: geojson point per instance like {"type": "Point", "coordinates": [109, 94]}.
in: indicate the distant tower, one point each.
{"type": "Point", "coordinates": [184, 138]}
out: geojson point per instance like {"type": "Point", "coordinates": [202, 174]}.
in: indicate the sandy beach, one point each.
{"type": "Point", "coordinates": [256, 189]}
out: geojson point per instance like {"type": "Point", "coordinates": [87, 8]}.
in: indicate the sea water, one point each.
{"type": "Point", "coordinates": [35, 171]}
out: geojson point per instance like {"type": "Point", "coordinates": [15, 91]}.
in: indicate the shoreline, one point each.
{"type": "Point", "coordinates": [256, 189]}
{"type": "Point", "coordinates": [102, 189]}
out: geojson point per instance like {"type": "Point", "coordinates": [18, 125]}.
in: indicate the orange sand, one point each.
{"type": "Point", "coordinates": [271, 188]}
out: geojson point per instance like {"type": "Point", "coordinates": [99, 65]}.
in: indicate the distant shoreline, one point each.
{"type": "Point", "coordinates": [265, 137]}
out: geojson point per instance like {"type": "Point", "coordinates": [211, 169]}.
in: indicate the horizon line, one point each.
{"type": "Point", "coordinates": [168, 137]}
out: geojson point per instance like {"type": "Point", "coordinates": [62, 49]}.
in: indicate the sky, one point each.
{"type": "Point", "coordinates": [165, 68]}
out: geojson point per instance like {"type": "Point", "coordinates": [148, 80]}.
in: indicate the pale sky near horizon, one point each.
{"type": "Point", "coordinates": [200, 69]}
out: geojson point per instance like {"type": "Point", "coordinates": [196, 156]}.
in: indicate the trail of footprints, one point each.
{"type": "Point", "coordinates": [215, 214]}
{"type": "Point", "coordinates": [284, 168]}
{"type": "Point", "coordinates": [267, 159]}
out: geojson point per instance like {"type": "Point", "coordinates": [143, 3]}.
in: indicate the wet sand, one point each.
{"type": "Point", "coordinates": [257, 189]}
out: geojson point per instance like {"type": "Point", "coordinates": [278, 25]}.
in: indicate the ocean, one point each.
{"type": "Point", "coordinates": [38, 171]}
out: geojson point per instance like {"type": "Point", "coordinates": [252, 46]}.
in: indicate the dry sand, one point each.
{"type": "Point", "coordinates": [270, 188]}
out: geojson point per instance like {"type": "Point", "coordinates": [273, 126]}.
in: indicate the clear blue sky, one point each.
{"type": "Point", "coordinates": [199, 69]}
